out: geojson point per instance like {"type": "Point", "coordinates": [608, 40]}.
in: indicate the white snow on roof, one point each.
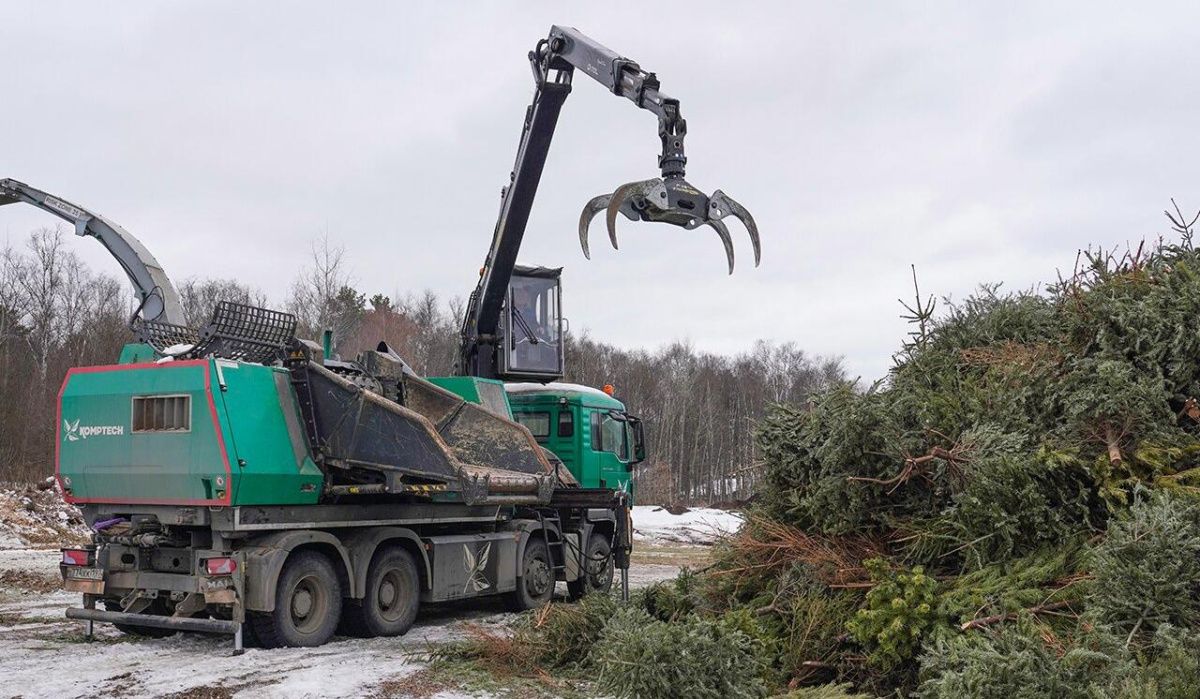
{"type": "Point", "coordinates": [553, 386]}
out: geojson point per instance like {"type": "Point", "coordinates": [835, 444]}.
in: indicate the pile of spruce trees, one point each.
{"type": "Point", "coordinates": [1013, 512]}
{"type": "Point", "coordinates": [1016, 508]}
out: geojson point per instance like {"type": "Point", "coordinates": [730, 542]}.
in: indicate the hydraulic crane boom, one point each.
{"type": "Point", "coordinates": [667, 199]}
{"type": "Point", "coordinates": [159, 300]}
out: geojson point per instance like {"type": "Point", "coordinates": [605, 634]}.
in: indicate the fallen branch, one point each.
{"type": "Point", "coordinates": [997, 618]}
{"type": "Point", "coordinates": [911, 464]}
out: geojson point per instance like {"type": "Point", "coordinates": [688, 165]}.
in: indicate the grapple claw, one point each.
{"type": "Point", "coordinates": [722, 205]}
{"type": "Point", "coordinates": [631, 195]}
{"type": "Point", "coordinates": [593, 207]}
{"type": "Point", "coordinates": [673, 201]}
{"type": "Point", "coordinates": [727, 241]}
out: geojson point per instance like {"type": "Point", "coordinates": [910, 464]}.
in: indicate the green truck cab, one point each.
{"type": "Point", "coordinates": [589, 430]}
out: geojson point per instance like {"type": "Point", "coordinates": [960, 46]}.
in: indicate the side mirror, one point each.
{"type": "Point", "coordinates": [639, 439]}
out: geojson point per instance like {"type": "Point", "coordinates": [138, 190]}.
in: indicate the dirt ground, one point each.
{"type": "Point", "coordinates": [45, 655]}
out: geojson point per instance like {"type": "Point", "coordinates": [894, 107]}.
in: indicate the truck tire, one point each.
{"type": "Point", "coordinates": [158, 607]}
{"type": "Point", "coordinates": [597, 569]}
{"type": "Point", "coordinates": [535, 583]}
{"type": "Point", "coordinates": [308, 604]}
{"type": "Point", "coordinates": [393, 594]}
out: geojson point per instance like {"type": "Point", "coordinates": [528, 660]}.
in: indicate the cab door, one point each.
{"type": "Point", "coordinates": [612, 448]}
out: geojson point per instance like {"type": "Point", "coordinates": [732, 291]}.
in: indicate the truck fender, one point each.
{"type": "Point", "coordinates": [265, 558]}
{"type": "Point", "coordinates": [524, 528]}
{"type": "Point", "coordinates": [363, 544]}
{"type": "Point", "coordinates": [602, 519]}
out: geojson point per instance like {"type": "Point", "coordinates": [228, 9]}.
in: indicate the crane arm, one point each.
{"type": "Point", "coordinates": [159, 300]}
{"type": "Point", "coordinates": [669, 199]}
{"type": "Point", "coordinates": [625, 78]}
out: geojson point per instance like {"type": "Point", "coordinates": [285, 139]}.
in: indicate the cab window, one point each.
{"type": "Point", "coordinates": [609, 435]}
{"type": "Point", "coordinates": [538, 424]}
{"type": "Point", "coordinates": [566, 423]}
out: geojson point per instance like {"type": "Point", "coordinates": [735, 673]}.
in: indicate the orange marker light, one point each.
{"type": "Point", "coordinates": [608, 388]}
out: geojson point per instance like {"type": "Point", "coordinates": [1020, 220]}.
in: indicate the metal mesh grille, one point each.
{"type": "Point", "coordinates": [246, 333]}
{"type": "Point", "coordinates": [162, 336]}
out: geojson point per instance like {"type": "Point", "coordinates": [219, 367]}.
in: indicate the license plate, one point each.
{"type": "Point", "coordinates": [85, 573]}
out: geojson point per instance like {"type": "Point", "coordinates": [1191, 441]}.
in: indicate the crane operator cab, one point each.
{"type": "Point", "coordinates": [531, 332]}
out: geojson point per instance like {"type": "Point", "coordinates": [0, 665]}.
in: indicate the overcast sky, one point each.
{"type": "Point", "coordinates": [978, 144]}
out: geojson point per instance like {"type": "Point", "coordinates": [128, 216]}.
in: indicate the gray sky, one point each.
{"type": "Point", "coordinates": [981, 144]}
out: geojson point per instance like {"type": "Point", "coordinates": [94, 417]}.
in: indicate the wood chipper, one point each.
{"type": "Point", "coordinates": [242, 480]}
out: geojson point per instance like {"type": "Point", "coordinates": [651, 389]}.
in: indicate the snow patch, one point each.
{"type": "Point", "coordinates": [38, 517]}
{"type": "Point", "coordinates": [701, 526]}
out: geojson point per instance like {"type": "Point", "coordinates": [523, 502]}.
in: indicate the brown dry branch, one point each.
{"type": "Point", "coordinates": [501, 653]}
{"type": "Point", "coordinates": [913, 466]}
{"type": "Point", "coordinates": [1012, 355]}
{"type": "Point", "coordinates": [997, 618]}
{"type": "Point", "coordinates": [766, 546]}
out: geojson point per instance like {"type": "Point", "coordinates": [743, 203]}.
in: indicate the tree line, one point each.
{"type": "Point", "coordinates": [698, 407]}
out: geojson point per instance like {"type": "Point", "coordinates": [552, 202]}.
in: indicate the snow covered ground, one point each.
{"type": "Point", "coordinates": [45, 655]}
{"type": "Point", "coordinates": [654, 525]}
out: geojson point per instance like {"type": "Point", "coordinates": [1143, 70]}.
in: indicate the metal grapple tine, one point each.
{"type": "Point", "coordinates": [593, 207]}
{"type": "Point", "coordinates": [618, 198]}
{"type": "Point", "coordinates": [729, 207]}
{"type": "Point", "coordinates": [725, 239]}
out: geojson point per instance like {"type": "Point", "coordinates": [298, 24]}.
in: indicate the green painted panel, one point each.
{"type": "Point", "coordinates": [486, 392]}
{"type": "Point", "coordinates": [152, 433]}
{"type": "Point", "coordinates": [104, 459]}
{"type": "Point", "coordinates": [136, 353]}
{"type": "Point", "coordinates": [270, 461]}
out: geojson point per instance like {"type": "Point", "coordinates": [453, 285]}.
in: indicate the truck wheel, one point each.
{"type": "Point", "coordinates": [308, 604]}
{"type": "Point", "coordinates": [597, 569]}
{"type": "Point", "coordinates": [535, 584]}
{"type": "Point", "coordinates": [393, 594]}
{"type": "Point", "coordinates": [158, 608]}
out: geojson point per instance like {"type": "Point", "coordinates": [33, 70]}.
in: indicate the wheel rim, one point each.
{"type": "Point", "coordinates": [537, 577]}
{"type": "Point", "coordinates": [309, 604]}
{"type": "Point", "coordinates": [599, 573]}
{"type": "Point", "coordinates": [389, 597]}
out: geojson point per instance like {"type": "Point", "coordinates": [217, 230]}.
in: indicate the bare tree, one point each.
{"type": "Point", "coordinates": [54, 314]}
{"type": "Point", "coordinates": [315, 293]}
{"type": "Point", "coordinates": [699, 408]}
{"type": "Point", "coordinates": [200, 296]}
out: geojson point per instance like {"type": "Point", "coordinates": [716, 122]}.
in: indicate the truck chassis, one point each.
{"type": "Point", "coordinates": [292, 575]}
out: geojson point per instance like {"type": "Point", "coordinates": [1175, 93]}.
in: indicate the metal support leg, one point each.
{"type": "Point", "coordinates": [89, 626]}
{"type": "Point", "coordinates": [237, 641]}
{"type": "Point", "coordinates": [624, 584]}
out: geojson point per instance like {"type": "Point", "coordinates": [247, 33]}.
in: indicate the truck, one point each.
{"type": "Point", "coordinates": [242, 480]}
{"type": "Point", "coordinates": [586, 428]}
